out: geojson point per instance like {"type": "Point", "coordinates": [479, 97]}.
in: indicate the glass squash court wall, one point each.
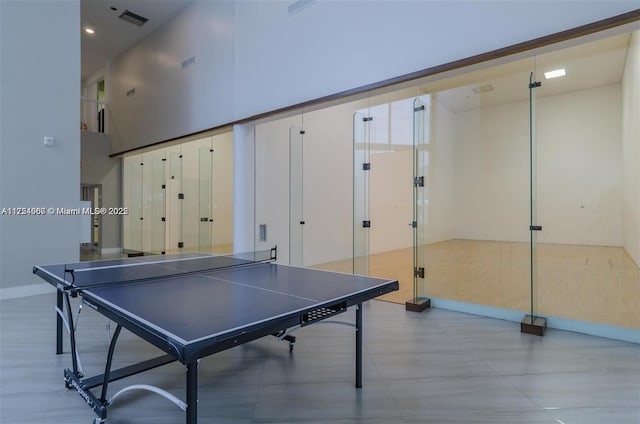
{"type": "Point", "coordinates": [538, 193]}
{"type": "Point", "coordinates": [180, 198]}
{"type": "Point", "coordinates": [583, 270]}
{"type": "Point", "coordinates": [523, 197]}
{"type": "Point", "coordinates": [421, 178]}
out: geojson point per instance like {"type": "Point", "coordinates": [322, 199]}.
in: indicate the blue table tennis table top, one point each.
{"type": "Point", "coordinates": [196, 305]}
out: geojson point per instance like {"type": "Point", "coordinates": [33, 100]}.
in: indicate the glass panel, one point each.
{"type": "Point", "coordinates": [296, 196]}
{"type": "Point", "coordinates": [135, 208]}
{"type": "Point", "coordinates": [190, 203]}
{"type": "Point", "coordinates": [173, 203]}
{"type": "Point", "coordinates": [420, 199]}
{"type": "Point", "coordinates": [157, 206]}
{"type": "Point", "coordinates": [361, 175]}
{"type": "Point", "coordinates": [205, 195]}
{"type": "Point", "coordinates": [533, 198]}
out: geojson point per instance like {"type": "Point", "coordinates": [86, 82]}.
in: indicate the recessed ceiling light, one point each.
{"type": "Point", "coordinates": [89, 30]}
{"type": "Point", "coordinates": [555, 73]}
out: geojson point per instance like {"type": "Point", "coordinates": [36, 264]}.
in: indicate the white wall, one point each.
{"type": "Point", "coordinates": [391, 194]}
{"type": "Point", "coordinates": [328, 192]}
{"type": "Point", "coordinates": [579, 169]}
{"type": "Point", "coordinates": [39, 96]}
{"type": "Point", "coordinates": [272, 184]}
{"type": "Point", "coordinates": [491, 180]}
{"type": "Point", "coordinates": [170, 101]}
{"type": "Point", "coordinates": [631, 149]}
{"type": "Point", "coordinates": [440, 179]}
{"type": "Point", "coordinates": [252, 57]}
{"type": "Point", "coordinates": [244, 183]}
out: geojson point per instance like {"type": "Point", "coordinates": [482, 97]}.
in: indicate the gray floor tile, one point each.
{"type": "Point", "coordinates": [436, 367]}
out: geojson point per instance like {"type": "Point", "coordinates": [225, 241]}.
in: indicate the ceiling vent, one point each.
{"type": "Point", "coordinates": [133, 18]}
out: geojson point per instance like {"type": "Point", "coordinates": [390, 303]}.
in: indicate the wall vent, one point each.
{"type": "Point", "coordinates": [188, 62]}
{"type": "Point", "coordinates": [133, 18]}
{"type": "Point", "coordinates": [297, 6]}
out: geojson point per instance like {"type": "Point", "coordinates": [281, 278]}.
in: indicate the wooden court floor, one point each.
{"type": "Point", "coordinates": [596, 284]}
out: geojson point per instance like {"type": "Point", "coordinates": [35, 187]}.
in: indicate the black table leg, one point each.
{"type": "Point", "coordinates": [359, 345]}
{"type": "Point", "coordinates": [192, 392]}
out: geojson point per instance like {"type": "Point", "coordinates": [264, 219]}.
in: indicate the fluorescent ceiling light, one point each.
{"type": "Point", "coordinates": [89, 30]}
{"type": "Point", "coordinates": [554, 74]}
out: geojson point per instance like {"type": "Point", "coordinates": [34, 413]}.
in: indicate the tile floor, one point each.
{"type": "Point", "coordinates": [435, 367]}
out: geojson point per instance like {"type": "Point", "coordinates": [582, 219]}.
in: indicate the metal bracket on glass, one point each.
{"type": "Point", "coordinates": [367, 118]}
{"type": "Point", "coordinates": [418, 181]}
{"type": "Point", "coordinates": [419, 108]}
{"type": "Point", "coordinates": [418, 272]}
{"type": "Point", "coordinates": [366, 166]}
{"type": "Point", "coordinates": [366, 224]}
{"type": "Point", "coordinates": [535, 228]}
{"type": "Point", "coordinates": [535, 84]}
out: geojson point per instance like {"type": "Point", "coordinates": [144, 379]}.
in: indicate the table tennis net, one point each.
{"type": "Point", "coordinates": [159, 266]}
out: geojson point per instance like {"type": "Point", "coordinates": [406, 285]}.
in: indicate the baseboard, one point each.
{"type": "Point", "coordinates": [592, 329]}
{"type": "Point", "coordinates": [111, 250]}
{"type": "Point", "coordinates": [23, 291]}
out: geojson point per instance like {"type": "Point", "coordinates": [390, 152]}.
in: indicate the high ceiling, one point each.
{"type": "Point", "coordinates": [114, 35]}
{"type": "Point", "coordinates": [588, 65]}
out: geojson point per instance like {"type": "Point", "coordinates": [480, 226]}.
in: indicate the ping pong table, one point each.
{"type": "Point", "coordinates": [193, 305]}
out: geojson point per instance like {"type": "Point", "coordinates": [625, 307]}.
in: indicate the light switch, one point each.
{"type": "Point", "coordinates": [49, 141]}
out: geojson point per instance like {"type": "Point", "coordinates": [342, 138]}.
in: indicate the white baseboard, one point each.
{"type": "Point", "coordinates": [111, 250]}
{"type": "Point", "coordinates": [28, 290]}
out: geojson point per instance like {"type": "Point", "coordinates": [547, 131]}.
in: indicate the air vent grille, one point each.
{"type": "Point", "coordinates": [133, 18]}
